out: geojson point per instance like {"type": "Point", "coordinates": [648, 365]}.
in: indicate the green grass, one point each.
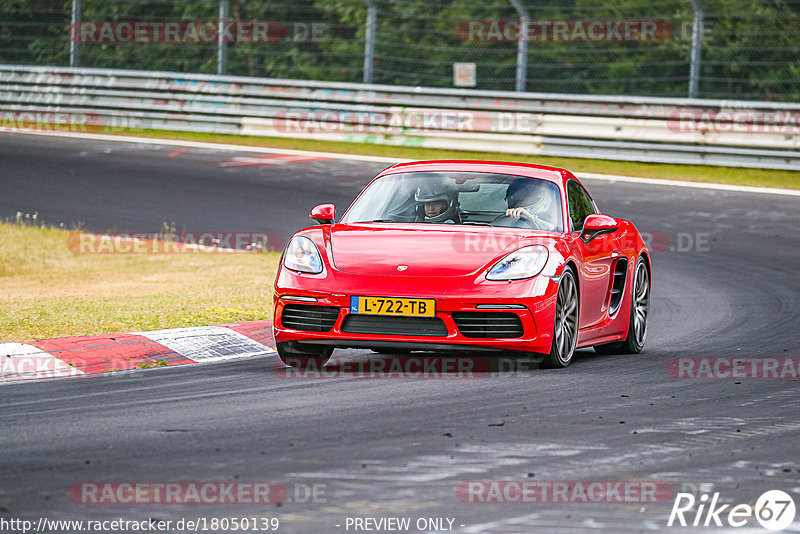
{"type": "Point", "coordinates": [48, 291]}
{"type": "Point", "coordinates": [691, 173]}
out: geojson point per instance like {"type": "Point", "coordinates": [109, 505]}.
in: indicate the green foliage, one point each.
{"type": "Point", "coordinates": [750, 48]}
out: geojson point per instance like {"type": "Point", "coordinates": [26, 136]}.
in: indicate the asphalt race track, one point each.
{"type": "Point", "coordinates": [726, 284]}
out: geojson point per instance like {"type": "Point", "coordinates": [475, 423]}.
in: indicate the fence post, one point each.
{"type": "Point", "coordinates": [74, 34]}
{"type": "Point", "coordinates": [369, 45]}
{"type": "Point", "coordinates": [697, 45]}
{"type": "Point", "coordinates": [522, 45]}
{"type": "Point", "coordinates": [222, 46]}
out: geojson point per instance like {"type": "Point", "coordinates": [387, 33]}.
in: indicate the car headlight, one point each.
{"type": "Point", "coordinates": [523, 263]}
{"type": "Point", "coordinates": [302, 255]}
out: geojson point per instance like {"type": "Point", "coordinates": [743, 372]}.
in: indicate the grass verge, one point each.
{"type": "Point", "coordinates": [691, 173]}
{"type": "Point", "coordinates": [47, 291]}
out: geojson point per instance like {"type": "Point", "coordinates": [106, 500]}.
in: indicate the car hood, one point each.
{"type": "Point", "coordinates": [416, 250]}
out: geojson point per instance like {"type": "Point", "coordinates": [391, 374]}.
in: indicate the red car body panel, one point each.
{"type": "Point", "coordinates": [449, 264]}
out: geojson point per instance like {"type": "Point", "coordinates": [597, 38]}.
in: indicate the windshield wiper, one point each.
{"type": "Point", "coordinates": [382, 220]}
{"type": "Point", "coordinates": [476, 223]}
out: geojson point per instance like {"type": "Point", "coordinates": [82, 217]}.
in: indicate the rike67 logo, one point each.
{"type": "Point", "coordinates": [774, 510]}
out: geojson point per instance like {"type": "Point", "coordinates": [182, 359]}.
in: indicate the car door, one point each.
{"type": "Point", "coordinates": [596, 257]}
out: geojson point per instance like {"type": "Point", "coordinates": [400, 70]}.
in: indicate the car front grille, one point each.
{"type": "Point", "coordinates": [400, 326]}
{"type": "Point", "coordinates": [488, 324]}
{"type": "Point", "coordinates": [309, 317]}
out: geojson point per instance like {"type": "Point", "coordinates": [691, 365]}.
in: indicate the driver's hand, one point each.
{"type": "Point", "coordinates": [516, 213]}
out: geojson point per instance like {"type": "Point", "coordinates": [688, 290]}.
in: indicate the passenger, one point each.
{"type": "Point", "coordinates": [438, 202]}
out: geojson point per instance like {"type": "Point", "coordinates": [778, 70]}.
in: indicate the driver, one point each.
{"type": "Point", "coordinates": [533, 201]}
{"type": "Point", "coordinates": [437, 202]}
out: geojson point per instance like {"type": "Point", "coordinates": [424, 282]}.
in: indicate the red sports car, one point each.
{"type": "Point", "coordinates": [477, 256]}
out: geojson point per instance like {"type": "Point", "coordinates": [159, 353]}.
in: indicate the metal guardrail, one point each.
{"type": "Point", "coordinates": [686, 131]}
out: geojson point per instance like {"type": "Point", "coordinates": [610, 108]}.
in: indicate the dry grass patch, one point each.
{"type": "Point", "coordinates": [47, 291]}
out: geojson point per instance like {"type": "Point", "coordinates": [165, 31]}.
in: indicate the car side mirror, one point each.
{"type": "Point", "coordinates": [323, 214]}
{"type": "Point", "coordinates": [598, 224]}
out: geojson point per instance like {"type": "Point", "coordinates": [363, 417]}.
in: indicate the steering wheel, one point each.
{"type": "Point", "coordinates": [511, 222]}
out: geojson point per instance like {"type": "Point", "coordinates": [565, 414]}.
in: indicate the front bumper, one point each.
{"type": "Point", "coordinates": [531, 301]}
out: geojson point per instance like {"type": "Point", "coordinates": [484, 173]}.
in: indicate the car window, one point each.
{"type": "Point", "coordinates": [580, 204]}
{"type": "Point", "coordinates": [471, 198]}
{"type": "Point", "coordinates": [490, 197]}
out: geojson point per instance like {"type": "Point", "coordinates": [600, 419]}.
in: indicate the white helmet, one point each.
{"type": "Point", "coordinates": [528, 194]}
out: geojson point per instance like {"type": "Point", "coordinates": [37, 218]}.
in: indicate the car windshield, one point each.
{"type": "Point", "coordinates": [468, 198]}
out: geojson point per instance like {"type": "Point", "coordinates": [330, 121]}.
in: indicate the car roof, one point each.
{"type": "Point", "coordinates": [553, 174]}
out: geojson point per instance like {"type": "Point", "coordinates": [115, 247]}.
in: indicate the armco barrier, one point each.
{"type": "Point", "coordinates": [711, 132]}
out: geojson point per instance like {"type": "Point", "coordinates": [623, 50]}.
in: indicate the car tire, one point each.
{"type": "Point", "coordinates": [637, 322]}
{"type": "Point", "coordinates": [565, 329]}
{"type": "Point", "coordinates": [302, 356]}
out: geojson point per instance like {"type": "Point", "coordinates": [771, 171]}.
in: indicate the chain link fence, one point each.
{"type": "Point", "coordinates": [743, 49]}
